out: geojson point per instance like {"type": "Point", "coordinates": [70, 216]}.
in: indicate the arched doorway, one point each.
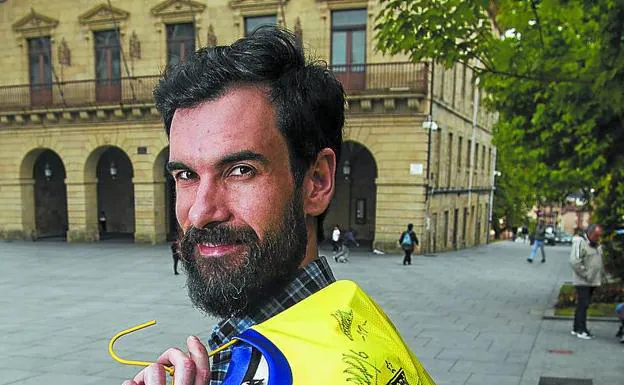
{"type": "Point", "coordinates": [115, 195]}
{"type": "Point", "coordinates": [161, 174]}
{"type": "Point", "coordinates": [354, 202]}
{"type": "Point", "coordinates": [50, 196]}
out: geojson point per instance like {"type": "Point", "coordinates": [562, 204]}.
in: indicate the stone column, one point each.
{"type": "Point", "coordinates": [82, 213]}
{"type": "Point", "coordinates": [17, 198]}
{"type": "Point", "coordinates": [398, 203]}
{"type": "Point", "coordinates": [150, 216]}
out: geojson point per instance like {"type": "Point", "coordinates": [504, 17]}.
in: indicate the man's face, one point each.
{"type": "Point", "coordinates": [236, 202]}
{"type": "Point", "coordinates": [595, 235]}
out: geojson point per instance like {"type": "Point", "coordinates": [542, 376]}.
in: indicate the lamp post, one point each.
{"type": "Point", "coordinates": [113, 170]}
{"type": "Point", "coordinates": [47, 171]}
{"type": "Point", "coordinates": [491, 203]}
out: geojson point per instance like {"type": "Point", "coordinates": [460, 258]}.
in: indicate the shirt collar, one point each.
{"type": "Point", "coordinates": [310, 279]}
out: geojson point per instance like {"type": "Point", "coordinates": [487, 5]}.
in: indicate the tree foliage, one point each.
{"type": "Point", "coordinates": [554, 71]}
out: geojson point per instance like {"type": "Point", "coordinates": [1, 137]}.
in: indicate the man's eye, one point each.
{"type": "Point", "coordinates": [241, 170]}
{"type": "Point", "coordinates": [185, 175]}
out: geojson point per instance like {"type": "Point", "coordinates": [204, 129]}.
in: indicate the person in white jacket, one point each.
{"type": "Point", "coordinates": [587, 272]}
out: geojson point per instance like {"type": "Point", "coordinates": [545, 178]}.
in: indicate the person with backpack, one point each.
{"type": "Point", "coordinates": [408, 241]}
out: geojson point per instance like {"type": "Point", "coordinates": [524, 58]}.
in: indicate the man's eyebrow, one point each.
{"type": "Point", "coordinates": [241, 156]}
{"type": "Point", "coordinates": [172, 166]}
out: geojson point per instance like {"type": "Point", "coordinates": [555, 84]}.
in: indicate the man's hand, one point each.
{"type": "Point", "coordinates": [189, 369]}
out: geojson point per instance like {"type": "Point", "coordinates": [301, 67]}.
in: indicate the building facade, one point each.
{"type": "Point", "coordinates": [82, 148]}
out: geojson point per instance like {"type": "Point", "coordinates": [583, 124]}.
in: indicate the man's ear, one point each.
{"type": "Point", "coordinates": [319, 183]}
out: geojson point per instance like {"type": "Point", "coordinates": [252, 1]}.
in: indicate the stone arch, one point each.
{"type": "Point", "coordinates": [166, 202]}
{"type": "Point", "coordinates": [355, 196]}
{"type": "Point", "coordinates": [108, 176]}
{"type": "Point", "coordinates": [42, 176]}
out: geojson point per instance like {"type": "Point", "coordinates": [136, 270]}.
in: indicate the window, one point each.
{"type": "Point", "coordinates": [465, 225]}
{"type": "Point", "coordinates": [180, 42]}
{"type": "Point", "coordinates": [489, 165]}
{"type": "Point", "coordinates": [107, 66]}
{"type": "Point", "coordinates": [468, 148]}
{"type": "Point", "coordinates": [254, 22]}
{"type": "Point", "coordinates": [348, 47]}
{"type": "Point", "coordinates": [454, 92]}
{"type": "Point", "coordinates": [40, 70]}
{"type": "Point", "coordinates": [449, 164]}
{"type": "Point", "coordinates": [483, 158]}
{"type": "Point", "coordinates": [476, 159]}
{"type": "Point", "coordinates": [462, 92]}
{"type": "Point", "coordinates": [459, 151]}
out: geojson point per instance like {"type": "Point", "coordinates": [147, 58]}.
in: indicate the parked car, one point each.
{"type": "Point", "coordinates": [563, 237]}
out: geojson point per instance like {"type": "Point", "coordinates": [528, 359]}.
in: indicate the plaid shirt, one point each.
{"type": "Point", "coordinates": [312, 278]}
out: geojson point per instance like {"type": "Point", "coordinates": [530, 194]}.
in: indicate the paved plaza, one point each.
{"type": "Point", "coordinates": [474, 317]}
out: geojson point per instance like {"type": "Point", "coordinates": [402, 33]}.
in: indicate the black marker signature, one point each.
{"type": "Point", "coordinates": [358, 368]}
{"type": "Point", "coordinates": [345, 319]}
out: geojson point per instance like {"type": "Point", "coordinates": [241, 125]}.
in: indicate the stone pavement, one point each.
{"type": "Point", "coordinates": [472, 316]}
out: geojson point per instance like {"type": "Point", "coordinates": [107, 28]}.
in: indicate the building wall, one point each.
{"type": "Point", "coordinates": [386, 121]}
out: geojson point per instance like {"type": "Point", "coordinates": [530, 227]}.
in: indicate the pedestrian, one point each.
{"type": "Point", "coordinates": [538, 242]}
{"type": "Point", "coordinates": [335, 239]}
{"type": "Point", "coordinates": [586, 262]}
{"type": "Point", "coordinates": [408, 241]}
{"type": "Point", "coordinates": [346, 239]}
{"type": "Point", "coordinates": [255, 136]}
{"type": "Point", "coordinates": [619, 311]}
{"type": "Point", "coordinates": [176, 256]}
{"type": "Point", "coordinates": [102, 221]}
{"type": "Point", "coordinates": [525, 234]}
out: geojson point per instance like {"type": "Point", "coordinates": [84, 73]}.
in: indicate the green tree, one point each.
{"type": "Point", "coordinates": [554, 71]}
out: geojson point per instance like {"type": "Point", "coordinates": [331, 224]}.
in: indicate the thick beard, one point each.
{"type": "Point", "coordinates": [235, 285]}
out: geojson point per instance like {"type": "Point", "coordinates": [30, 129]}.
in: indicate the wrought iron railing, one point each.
{"type": "Point", "coordinates": [356, 79]}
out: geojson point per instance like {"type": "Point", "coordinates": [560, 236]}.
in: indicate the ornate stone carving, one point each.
{"type": "Point", "coordinates": [175, 9]}
{"type": "Point", "coordinates": [103, 14]}
{"type": "Point", "coordinates": [298, 30]}
{"type": "Point", "coordinates": [35, 24]}
{"type": "Point", "coordinates": [64, 54]}
{"type": "Point", "coordinates": [135, 46]}
{"type": "Point", "coordinates": [211, 38]}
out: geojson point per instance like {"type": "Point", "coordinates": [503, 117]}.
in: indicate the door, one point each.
{"type": "Point", "coordinates": [107, 67]}
{"type": "Point", "coordinates": [40, 71]}
{"type": "Point", "coordinates": [349, 48]}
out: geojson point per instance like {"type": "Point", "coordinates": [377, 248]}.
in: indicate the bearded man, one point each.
{"type": "Point", "coordinates": [255, 134]}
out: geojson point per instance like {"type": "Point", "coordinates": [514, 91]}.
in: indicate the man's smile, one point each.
{"type": "Point", "coordinates": [217, 249]}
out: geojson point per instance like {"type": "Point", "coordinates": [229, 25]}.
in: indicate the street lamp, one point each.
{"type": "Point", "coordinates": [430, 124]}
{"type": "Point", "coordinates": [47, 171]}
{"type": "Point", "coordinates": [113, 170]}
{"type": "Point", "coordinates": [346, 169]}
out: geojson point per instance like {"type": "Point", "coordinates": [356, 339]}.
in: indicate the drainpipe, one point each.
{"type": "Point", "coordinates": [427, 224]}
{"type": "Point", "coordinates": [475, 110]}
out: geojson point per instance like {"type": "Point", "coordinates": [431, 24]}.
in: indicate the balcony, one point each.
{"type": "Point", "coordinates": [363, 79]}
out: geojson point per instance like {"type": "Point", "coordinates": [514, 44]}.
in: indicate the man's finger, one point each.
{"type": "Point", "coordinates": [199, 355]}
{"type": "Point", "coordinates": [152, 375]}
{"type": "Point", "coordinates": [183, 366]}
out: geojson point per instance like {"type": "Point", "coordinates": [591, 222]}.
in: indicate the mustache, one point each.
{"type": "Point", "coordinates": [219, 234]}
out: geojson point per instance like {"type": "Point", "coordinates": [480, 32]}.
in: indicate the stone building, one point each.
{"type": "Point", "coordinates": [80, 138]}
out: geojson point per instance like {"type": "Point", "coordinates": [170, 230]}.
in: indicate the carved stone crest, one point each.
{"type": "Point", "coordinates": [211, 38]}
{"type": "Point", "coordinates": [135, 46]}
{"type": "Point", "coordinates": [64, 54]}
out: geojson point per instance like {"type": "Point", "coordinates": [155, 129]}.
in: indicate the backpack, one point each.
{"type": "Point", "coordinates": [406, 240]}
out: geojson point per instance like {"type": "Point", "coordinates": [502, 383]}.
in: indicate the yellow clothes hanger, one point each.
{"type": "Point", "coordinates": [169, 369]}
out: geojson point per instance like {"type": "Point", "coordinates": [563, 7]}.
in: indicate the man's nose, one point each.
{"type": "Point", "coordinates": [210, 206]}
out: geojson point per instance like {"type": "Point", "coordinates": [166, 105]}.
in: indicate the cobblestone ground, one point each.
{"type": "Point", "coordinates": [472, 316]}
